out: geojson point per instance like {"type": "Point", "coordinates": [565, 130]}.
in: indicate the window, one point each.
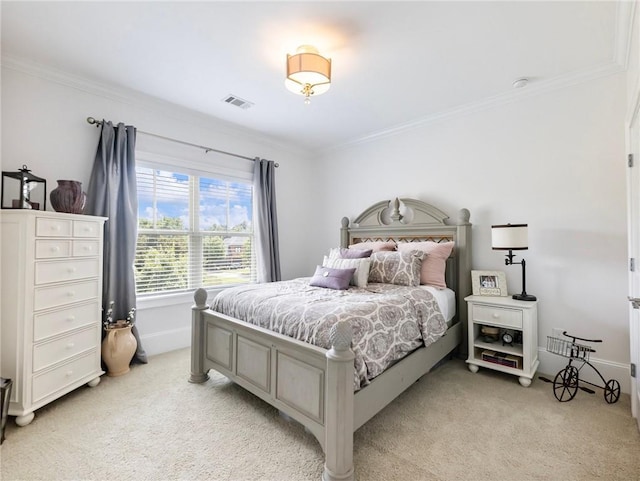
{"type": "Point", "coordinates": [193, 231]}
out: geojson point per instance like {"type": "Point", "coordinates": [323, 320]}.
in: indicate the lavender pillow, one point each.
{"type": "Point", "coordinates": [344, 253]}
{"type": "Point", "coordinates": [361, 266]}
{"type": "Point", "coordinates": [355, 253]}
{"type": "Point", "coordinates": [332, 278]}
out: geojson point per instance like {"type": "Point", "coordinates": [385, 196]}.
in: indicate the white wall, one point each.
{"type": "Point", "coordinates": [44, 126]}
{"type": "Point", "coordinates": [555, 161]}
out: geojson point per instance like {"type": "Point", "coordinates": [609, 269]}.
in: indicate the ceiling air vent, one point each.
{"type": "Point", "coordinates": [237, 101]}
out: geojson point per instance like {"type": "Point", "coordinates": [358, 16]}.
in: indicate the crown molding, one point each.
{"type": "Point", "coordinates": [623, 38]}
{"type": "Point", "coordinates": [534, 88]}
{"type": "Point", "coordinates": [144, 101]}
{"type": "Point", "coordinates": [625, 12]}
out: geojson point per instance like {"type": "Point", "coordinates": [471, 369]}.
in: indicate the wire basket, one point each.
{"type": "Point", "coordinates": [569, 349]}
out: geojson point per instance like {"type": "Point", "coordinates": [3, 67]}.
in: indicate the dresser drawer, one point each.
{"type": "Point", "coordinates": [86, 228]}
{"type": "Point", "coordinates": [46, 227]}
{"type": "Point", "coordinates": [498, 316]}
{"type": "Point", "coordinates": [85, 248]}
{"type": "Point", "coordinates": [68, 270]}
{"type": "Point", "coordinates": [51, 323]}
{"type": "Point", "coordinates": [50, 249]}
{"type": "Point", "coordinates": [49, 382]}
{"type": "Point", "coordinates": [45, 297]}
{"type": "Point", "coordinates": [52, 352]}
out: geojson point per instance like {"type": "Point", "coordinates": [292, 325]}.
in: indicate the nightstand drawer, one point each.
{"type": "Point", "coordinates": [499, 316]}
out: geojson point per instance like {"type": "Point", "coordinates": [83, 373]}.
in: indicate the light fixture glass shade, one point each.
{"type": "Point", "coordinates": [509, 237]}
{"type": "Point", "coordinates": [308, 72]}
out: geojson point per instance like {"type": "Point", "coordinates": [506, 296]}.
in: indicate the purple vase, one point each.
{"type": "Point", "coordinates": [68, 197]}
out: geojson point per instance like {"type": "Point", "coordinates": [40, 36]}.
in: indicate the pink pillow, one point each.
{"type": "Point", "coordinates": [378, 246]}
{"type": "Point", "coordinates": [434, 264]}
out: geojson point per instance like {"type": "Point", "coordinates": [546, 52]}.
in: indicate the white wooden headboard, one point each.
{"type": "Point", "coordinates": [411, 220]}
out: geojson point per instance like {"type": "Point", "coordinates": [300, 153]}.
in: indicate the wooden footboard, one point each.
{"type": "Point", "coordinates": [312, 385]}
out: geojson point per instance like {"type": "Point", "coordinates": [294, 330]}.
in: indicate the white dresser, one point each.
{"type": "Point", "coordinates": [51, 305]}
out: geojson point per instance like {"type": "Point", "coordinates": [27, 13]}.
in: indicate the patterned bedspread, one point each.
{"type": "Point", "coordinates": [388, 321]}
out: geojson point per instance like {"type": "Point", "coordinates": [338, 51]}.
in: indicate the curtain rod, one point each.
{"type": "Point", "coordinates": [98, 123]}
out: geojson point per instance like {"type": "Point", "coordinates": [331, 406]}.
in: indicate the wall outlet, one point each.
{"type": "Point", "coordinates": [557, 332]}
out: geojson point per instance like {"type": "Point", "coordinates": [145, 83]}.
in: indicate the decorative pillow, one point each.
{"type": "Point", "coordinates": [434, 264]}
{"type": "Point", "coordinates": [401, 268]}
{"type": "Point", "coordinates": [361, 267]}
{"type": "Point", "coordinates": [344, 253]}
{"type": "Point", "coordinates": [375, 246]}
{"type": "Point", "coordinates": [332, 278]}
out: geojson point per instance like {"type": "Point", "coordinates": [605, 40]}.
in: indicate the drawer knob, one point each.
{"type": "Point", "coordinates": [70, 345]}
{"type": "Point", "coordinates": [87, 248]}
{"type": "Point", "coordinates": [71, 318]}
{"type": "Point", "coordinates": [495, 315]}
{"type": "Point", "coordinates": [55, 228]}
{"type": "Point", "coordinates": [55, 249]}
{"type": "Point", "coordinates": [69, 373]}
{"type": "Point", "coordinates": [71, 293]}
{"type": "Point", "coordinates": [71, 270]}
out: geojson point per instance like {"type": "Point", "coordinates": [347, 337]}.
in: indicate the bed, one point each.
{"type": "Point", "coordinates": [315, 385]}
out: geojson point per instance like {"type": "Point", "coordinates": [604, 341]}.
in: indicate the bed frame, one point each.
{"type": "Point", "coordinates": [312, 385]}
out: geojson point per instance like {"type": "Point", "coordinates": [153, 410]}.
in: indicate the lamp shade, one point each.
{"type": "Point", "coordinates": [308, 72]}
{"type": "Point", "coordinates": [509, 237]}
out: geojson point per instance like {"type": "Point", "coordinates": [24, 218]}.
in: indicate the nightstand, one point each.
{"type": "Point", "coordinates": [517, 319]}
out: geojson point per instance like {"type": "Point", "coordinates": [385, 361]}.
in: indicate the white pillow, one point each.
{"type": "Point", "coordinates": [360, 276]}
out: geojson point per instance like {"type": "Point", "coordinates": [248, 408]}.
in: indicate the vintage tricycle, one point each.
{"type": "Point", "coordinates": [567, 381]}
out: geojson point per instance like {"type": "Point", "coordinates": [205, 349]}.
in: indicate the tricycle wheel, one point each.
{"type": "Point", "coordinates": [565, 384]}
{"type": "Point", "coordinates": [612, 391]}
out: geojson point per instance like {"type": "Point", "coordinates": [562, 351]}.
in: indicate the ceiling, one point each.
{"type": "Point", "coordinates": [395, 64]}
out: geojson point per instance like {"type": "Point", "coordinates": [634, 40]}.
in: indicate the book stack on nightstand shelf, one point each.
{"type": "Point", "coordinates": [517, 319]}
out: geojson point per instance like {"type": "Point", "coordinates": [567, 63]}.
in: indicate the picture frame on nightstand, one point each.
{"type": "Point", "coordinates": [489, 283]}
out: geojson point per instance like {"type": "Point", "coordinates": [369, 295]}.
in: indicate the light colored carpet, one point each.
{"type": "Point", "coordinates": [151, 424]}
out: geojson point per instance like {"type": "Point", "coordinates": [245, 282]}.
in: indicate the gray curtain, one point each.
{"type": "Point", "coordinates": [112, 193]}
{"type": "Point", "coordinates": [266, 222]}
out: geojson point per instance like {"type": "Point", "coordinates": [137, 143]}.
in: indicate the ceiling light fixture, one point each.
{"type": "Point", "coordinates": [308, 72]}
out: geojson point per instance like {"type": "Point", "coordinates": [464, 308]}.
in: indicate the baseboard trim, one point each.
{"type": "Point", "coordinates": [166, 341]}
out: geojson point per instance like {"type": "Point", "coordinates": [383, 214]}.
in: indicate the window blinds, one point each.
{"type": "Point", "coordinates": [193, 231]}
